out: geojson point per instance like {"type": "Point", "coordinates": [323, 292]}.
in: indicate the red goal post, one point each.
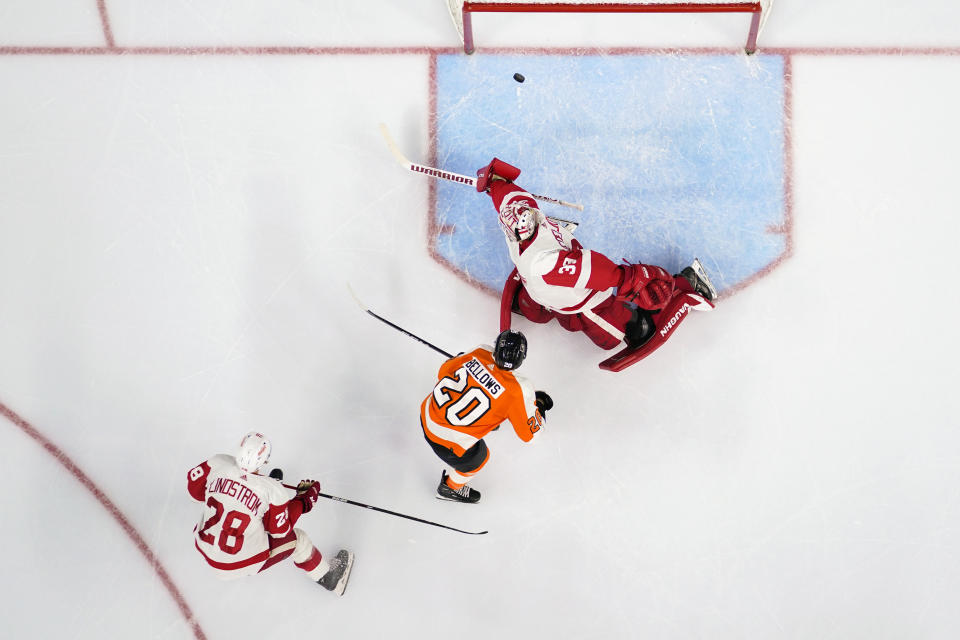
{"type": "Point", "coordinates": [461, 10]}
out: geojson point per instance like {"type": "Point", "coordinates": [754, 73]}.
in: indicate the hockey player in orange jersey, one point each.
{"type": "Point", "coordinates": [475, 393]}
{"type": "Point", "coordinates": [248, 521]}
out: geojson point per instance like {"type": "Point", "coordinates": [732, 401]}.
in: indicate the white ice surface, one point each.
{"type": "Point", "coordinates": [176, 234]}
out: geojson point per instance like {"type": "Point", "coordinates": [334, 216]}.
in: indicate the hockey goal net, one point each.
{"type": "Point", "coordinates": [461, 11]}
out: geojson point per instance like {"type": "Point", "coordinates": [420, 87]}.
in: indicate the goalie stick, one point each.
{"type": "Point", "coordinates": [449, 175]}
{"type": "Point", "coordinates": [392, 513]}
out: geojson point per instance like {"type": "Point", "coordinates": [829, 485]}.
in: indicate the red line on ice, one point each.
{"type": "Point", "coordinates": [111, 49]}
{"type": "Point", "coordinates": [432, 52]}
{"type": "Point", "coordinates": [113, 510]}
{"type": "Point", "coordinates": [787, 228]}
{"type": "Point", "coordinates": [105, 22]}
{"type": "Point", "coordinates": [434, 228]}
{"type": "Point", "coordinates": [221, 51]}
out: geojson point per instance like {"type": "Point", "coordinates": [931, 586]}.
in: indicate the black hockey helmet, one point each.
{"type": "Point", "coordinates": [510, 350]}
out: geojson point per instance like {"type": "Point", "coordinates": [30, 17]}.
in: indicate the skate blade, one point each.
{"type": "Point", "coordinates": [702, 274]}
{"type": "Point", "coordinates": [342, 582]}
{"type": "Point", "coordinates": [455, 500]}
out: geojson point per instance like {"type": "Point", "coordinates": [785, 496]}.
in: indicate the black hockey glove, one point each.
{"type": "Point", "coordinates": [543, 402]}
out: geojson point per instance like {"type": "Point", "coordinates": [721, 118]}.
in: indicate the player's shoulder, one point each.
{"type": "Point", "coordinates": [272, 489]}
{"type": "Point", "coordinates": [542, 255]}
{"type": "Point", "coordinates": [487, 368]}
{"type": "Point", "coordinates": [222, 462]}
{"type": "Point", "coordinates": [509, 379]}
{"type": "Point", "coordinates": [484, 351]}
{"type": "Point", "coordinates": [484, 355]}
{"type": "Point", "coordinates": [524, 385]}
{"type": "Point", "coordinates": [518, 390]}
{"type": "Point", "coordinates": [514, 379]}
{"type": "Point", "coordinates": [452, 364]}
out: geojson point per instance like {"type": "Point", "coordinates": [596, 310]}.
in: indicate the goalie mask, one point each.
{"type": "Point", "coordinates": [510, 350]}
{"type": "Point", "coordinates": [254, 452]}
{"type": "Point", "coordinates": [520, 219]}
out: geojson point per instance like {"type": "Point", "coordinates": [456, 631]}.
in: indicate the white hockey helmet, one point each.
{"type": "Point", "coordinates": [254, 452]}
{"type": "Point", "coordinates": [520, 219]}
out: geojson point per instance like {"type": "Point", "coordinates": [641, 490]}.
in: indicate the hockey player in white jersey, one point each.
{"type": "Point", "coordinates": [557, 278]}
{"type": "Point", "coordinates": [248, 521]}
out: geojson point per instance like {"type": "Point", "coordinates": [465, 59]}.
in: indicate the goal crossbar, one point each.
{"type": "Point", "coordinates": [755, 7]}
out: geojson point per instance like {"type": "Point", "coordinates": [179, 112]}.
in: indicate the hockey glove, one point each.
{"type": "Point", "coordinates": [308, 491]}
{"type": "Point", "coordinates": [647, 286]}
{"type": "Point", "coordinates": [544, 402]}
{"type": "Point", "coordinates": [496, 169]}
{"type": "Point", "coordinates": [655, 295]}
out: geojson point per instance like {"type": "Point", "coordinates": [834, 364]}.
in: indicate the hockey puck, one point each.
{"type": "Point", "coordinates": [518, 77]}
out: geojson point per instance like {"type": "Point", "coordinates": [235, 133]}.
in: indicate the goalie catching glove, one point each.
{"type": "Point", "coordinates": [308, 491]}
{"type": "Point", "coordinates": [645, 285]}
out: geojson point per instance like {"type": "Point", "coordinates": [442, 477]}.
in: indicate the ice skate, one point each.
{"type": "Point", "coordinates": [463, 494]}
{"type": "Point", "coordinates": [336, 578]}
{"type": "Point", "coordinates": [697, 276]}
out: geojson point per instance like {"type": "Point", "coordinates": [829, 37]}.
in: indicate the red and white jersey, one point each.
{"type": "Point", "coordinates": [241, 512]}
{"type": "Point", "coordinates": [556, 270]}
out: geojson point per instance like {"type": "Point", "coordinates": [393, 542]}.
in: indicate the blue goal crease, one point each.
{"type": "Point", "coordinates": [672, 156]}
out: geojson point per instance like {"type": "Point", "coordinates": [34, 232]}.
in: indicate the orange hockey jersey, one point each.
{"type": "Point", "coordinates": [473, 397]}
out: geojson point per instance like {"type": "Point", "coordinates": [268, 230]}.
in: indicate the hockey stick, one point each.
{"type": "Point", "coordinates": [400, 329]}
{"type": "Point", "coordinates": [448, 175]}
{"type": "Point", "coordinates": [392, 513]}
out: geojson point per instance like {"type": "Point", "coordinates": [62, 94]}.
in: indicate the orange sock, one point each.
{"type": "Point", "coordinates": [453, 485]}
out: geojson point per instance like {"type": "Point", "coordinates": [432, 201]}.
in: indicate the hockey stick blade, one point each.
{"type": "Point", "coordinates": [392, 513]}
{"type": "Point", "coordinates": [398, 328]}
{"type": "Point", "coordinates": [419, 168]}
{"type": "Point", "coordinates": [402, 515]}
{"type": "Point", "coordinates": [402, 159]}
{"type": "Point", "coordinates": [449, 175]}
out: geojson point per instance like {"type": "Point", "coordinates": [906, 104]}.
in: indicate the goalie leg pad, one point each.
{"type": "Point", "coordinates": [667, 322]}
{"type": "Point", "coordinates": [606, 323]}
